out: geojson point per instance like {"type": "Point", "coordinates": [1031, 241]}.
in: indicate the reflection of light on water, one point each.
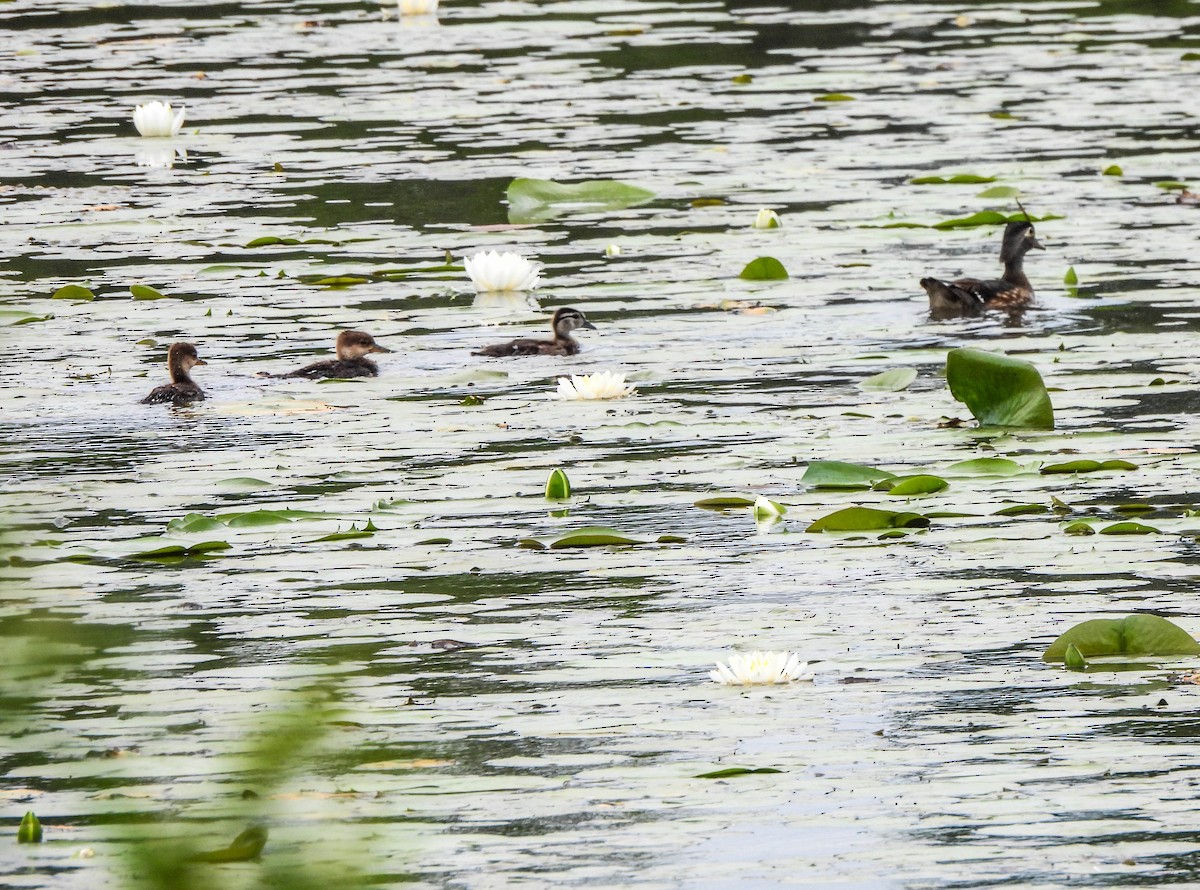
{"type": "Point", "coordinates": [160, 156]}
{"type": "Point", "coordinates": [505, 300]}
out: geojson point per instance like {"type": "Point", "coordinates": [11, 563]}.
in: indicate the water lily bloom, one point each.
{"type": "Point", "coordinates": [495, 272]}
{"type": "Point", "coordinates": [601, 385]}
{"type": "Point", "coordinates": [612, 250]}
{"type": "Point", "coordinates": [157, 119]}
{"type": "Point", "coordinates": [767, 219]}
{"type": "Point", "coordinates": [418, 7]}
{"type": "Point", "coordinates": [760, 669]}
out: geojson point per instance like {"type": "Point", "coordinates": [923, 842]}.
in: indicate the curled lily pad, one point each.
{"type": "Point", "coordinates": [247, 845]}
{"type": "Point", "coordinates": [999, 391]}
{"type": "Point", "coordinates": [1080, 528]}
{"type": "Point", "coordinates": [912, 486]}
{"type": "Point", "coordinates": [1074, 660]}
{"type": "Point", "coordinates": [838, 475]}
{"type": "Point", "coordinates": [1131, 635]}
{"type": "Point", "coordinates": [1113, 170]}
{"type": "Point", "coordinates": [895, 380]}
{"type": "Point", "coordinates": [724, 502]}
{"type": "Point", "coordinates": [857, 519]}
{"type": "Point", "coordinates": [350, 534]}
{"type": "Point", "coordinates": [765, 268]}
{"type": "Point", "coordinates": [588, 536]}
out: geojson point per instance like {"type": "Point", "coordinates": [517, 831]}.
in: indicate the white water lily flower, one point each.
{"type": "Point", "coordinates": [418, 7]}
{"type": "Point", "coordinates": [157, 119]}
{"type": "Point", "coordinates": [601, 385]}
{"type": "Point", "coordinates": [760, 669]}
{"type": "Point", "coordinates": [765, 508]}
{"type": "Point", "coordinates": [495, 272]}
{"type": "Point", "coordinates": [767, 219]}
{"type": "Point", "coordinates": [612, 250]}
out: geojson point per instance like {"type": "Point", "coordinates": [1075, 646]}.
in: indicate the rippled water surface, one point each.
{"type": "Point", "coordinates": [560, 748]}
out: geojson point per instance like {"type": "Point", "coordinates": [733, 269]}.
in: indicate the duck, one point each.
{"type": "Point", "coordinates": [564, 321]}
{"type": "Point", "coordinates": [182, 390]}
{"type": "Point", "coordinates": [971, 296]}
{"type": "Point", "coordinates": [352, 350]}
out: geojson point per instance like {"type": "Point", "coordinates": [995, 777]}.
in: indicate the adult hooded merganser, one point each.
{"type": "Point", "coordinates": [181, 358]}
{"type": "Point", "coordinates": [971, 296]}
{"type": "Point", "coordinates": [351, 361]}
{"type": "Point", "coordinates": [564, 321]}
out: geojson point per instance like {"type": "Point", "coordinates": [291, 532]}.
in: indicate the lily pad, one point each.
{"type": "Point", "coordinates": [537, 200]}
{"type": "Point", "coordinates": [912, 486]}
{"type": "Point", "coordinates": [858, 519]}
{"type": "Point", "coordinates": [1000, 391]}
{"type": "Point", "coordinates": [1129, 528]}
{"type": "Point", "coordinates": [172, 551]}
{"type": "Point", "coordinates": [987, 466]}
{"type": "Point", "coordinates": [837, 475]}
{"type": "Point", "coordinates": [1131, 635]}
{"type": "Point", "coordinates": [989, 218]}
{"type": "Point", "coordinates": [246, 846]}
{"type": "Point", "coordinates": [1022, 510]}
{"type": "Point", "coordinates": [1113, 170]}
{"type": "Point", "coordinates": [956, 179]}
{"type": "Point", "coordinates": [194, 522]}
{"type": "Point", "coordinates": [724, 502]}
{"type": "Point", "coordinates": [144, 292]}
{"type": "Point", "coordinates": [588, 536]}
{"type": "Point", "coordinates": [1087, 466]}
{"type": "Point", "coordinates": [349, 534]}
{"type": "Point", "coordinates": [765, 268]}
{"type": "Point", "coordinates": [73, 292]}
{"type": "Point", "coordinates": [731, 771]}
{"type": "Point", "coordinates": [13, 317]}
{"type": "Point", "coordinates": [895, 380]}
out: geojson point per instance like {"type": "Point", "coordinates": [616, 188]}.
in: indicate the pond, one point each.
{"type": "Point", "coordinates": [429, 701]}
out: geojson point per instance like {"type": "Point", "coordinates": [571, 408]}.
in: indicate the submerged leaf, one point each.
{"type": "Point", "coordinates": [835, 474]}
{"type": "Point", "coordinates": [765, 268]}
{"type": "Point", "coordinates": [536, 200]}
{"type": "Point", "coordinates": [895, 380]}
{"type": "Point", "coordinates": [999, 391]}
{"type": "Point", "coordinates": [1131, 635]}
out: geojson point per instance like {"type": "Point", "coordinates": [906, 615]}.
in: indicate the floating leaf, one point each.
{"type": "Point", "coordinates": [536, 200]}
{"type": "Point", "coordinates": [742, 78]}
{"type": "Point", "coordinates": [144, 292]}
{"type": "Point", "coordinates": [194, 522]}
{"type": "Point", "coordinates": [988, 218]}
{"type": "Point", "coordinates": [765, 268]}
{"type": "Point", "coordinates": [73, 292]}
{"type": "Point", "coordinates": [175, 551]}
{"type": "Point", "coordinates": [736, 771]}
{"type": "Point", "coordinates": [558, 486]}
{"type": "Point", "coordinates": [471, 401]}
{"type": "Point", "coordinates": [1079, 528]}
{"type": "Point", "coordinates": [593, 536]}
{"type": "Point", "coordinates": [247, 845]}
{"type": "Point", "coordinates": [999, 191]}
{"type": "Point", "coordinates": [858, 519]}
{"type": "Point", "coordinates": [1131, 635]}
{"type": "Point", "coordinates": [243, 483]}
{"type": "Point", "coordinates": [835, 97]}
{"type": "Point", "coordinates": [724, 502]}
{"type": "Point", "coordinates": [1000, 391]}
{"type": "Point", "coordinates": [1172, 185]}
{"type": "Point", "coordinates": [1113, 170]}
{"type": "Point", "coordinates": [911, 486]}
{"type": "Point", "coordinates": [1087, 466]}
{"type": "Point", "coordinates": [1071, 278]}
{"type": "Point", "coordinates": [430, 542]}
{"type": "Point", "coordinates": [894, 380]}
{"type": "Point", "coordinates": [270, 240]}
{"type": "Point", "coordinates": [13, 317]}
{"type": "Point", "coordinates": [1129, 528]}
{"type": "Point", "coordinates": [349, 534]}
{"type": "Point", "coordinates": [340, 281]}
{"type": "Point", "coordinates": [834, 474]}
{"type": "Point", "coordinates": [987, 466]}
{"type": "Point", "coordinates": [956, 179]}
{"type": "Point", "coordinates": [1074, 660]}
{"type": "Point", "coordinates": [30, 830]}
{"type": "Point", "coordinates": [1190, 57]}
{"type": "Point", "coordinates": [1022, 510]}
{"type": "Point", "coordinates": [670, 539]}
{"type": "Point", "coordinates": [1135, 508]}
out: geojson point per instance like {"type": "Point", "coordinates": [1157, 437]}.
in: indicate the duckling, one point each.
{"type": "Point", "coordinates": [182, 390]}
{"type": "Point", "coordinates": [351, 361]}
{"type": "Point", "coordinates": [564, 321]}
{"type": "Point", "coordinates": [971, 296]}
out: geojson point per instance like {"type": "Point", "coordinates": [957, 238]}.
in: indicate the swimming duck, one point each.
{"type": "Point", "coordinates": [564, 321]}
{"type": "Point", "coordinates": [351, 361]}
{"type": "Point", "coordinates": [182, 390]}
{"type": "Point", "coordinates": [970, 296]}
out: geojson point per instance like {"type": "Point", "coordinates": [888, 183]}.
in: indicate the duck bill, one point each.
{"type": "Point", "coordinates": [378, 348]}
{"type": "Point", "coordinates": [1035, 243]}
{"type": "Point", "coordinates": [589, 326]}
{"type": "Point", "coordinates": [200, 361]}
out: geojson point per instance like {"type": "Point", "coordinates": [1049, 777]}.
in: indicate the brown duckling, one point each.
{"type": "Point", "coordinates": [182, 390]}
{"type": "Point", "coordinates": [352, 350]}
{"type": "Point", "coordinates": [564, 321]}
{"type": "Point", "coordinates": [971, 296]}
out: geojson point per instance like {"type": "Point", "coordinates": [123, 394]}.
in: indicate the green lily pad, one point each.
{"type": "Point", "coordinates": [912, 486]}
{"type": "Point", "coordinates": [558, 486]}
{"type": "Point", "coordinates": [989, 218]}
{"type": "Point", "coordinates": [73, 292]}
{"type": "Point", "coordinates": [731, 771]}
{"type": "Point", "coordinates": [895, 380]}
{"type": "Point", "coordinates": [340, 281]}
{"type": "Point", "coordinates": [171, 551]}
{"type": "Point", "coordinates": [1087, 466]}
{"type": "Point", "coordinates": [1071, 278]}
{"type": "Point", "coordinates": [724, 502]}
{"type": "Point", "coordinates": [144, 292]}
{"type": "Point", "coordinates": [537, 200]}
{"type": "Point", "coordinates": [765, 268]}
{"type": "Point", "coordinates": [593, 536]}
{"type": "Point", "coordinates": [1171, 185]}
{"type": "Point", "coordinates": [1131, 635]}
{"type": "Point", "coordinates": [858, 519]}
{"type": "Point", "coordinates": [243, 483]}
{"type": "Point", "coordinates": [835, 97]}
{"type": "Point", "coordinates": [1113, 170]}
{"type": "Point", "coordinates": [999, 191]}
{"type": "Point", "coordinates": [246, 846]}
{"type": "Point", "coordinates": [13, 317]}
{"type": "Point", "coordinates": [999, 391]}
{"type": "Point", "coordinates": [1129, 528]}
{"type": "Point", "coordinates": [956, 179]}
{"type": "Point", "coordinates": [194, 522]}
{"type": "Point", "coordinates": [349, 534]}
{"type": "Point", "coordinates": [1022, 510]}
{"type": "Point", "coordinates": [987, 466]}
{"type": "Point", "coordinates": [837, 475]}
{"type": "Point", "coordinates": [1080, 528]}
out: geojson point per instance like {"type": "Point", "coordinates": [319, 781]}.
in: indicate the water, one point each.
{"type": "Point", "coordinates": [559, 748]}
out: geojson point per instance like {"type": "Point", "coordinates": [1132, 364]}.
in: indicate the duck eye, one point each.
{"type": "Point", "coordinates": [1029, 233]}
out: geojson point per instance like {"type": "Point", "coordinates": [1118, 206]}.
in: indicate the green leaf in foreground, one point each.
{"type": "Point", "coordinates": [895, 380]}
{"type": "Point", "coordinates": [144, 292]}
{"type": "Point", "coordinates": [73, 292]}
{"type": "Point", "coordinates": [558, 486]}
{"type": "Point", "coordinates": [956, 179]}
{"type": "Point", "coordinates": [728, 772]}
{"type": "Point", "coordinates": [30, 831]}
{"type": "Point", "coordinates": [912, 486]}
{"type": "Point", "coordinates": [765, 268]}
{"type": "Point", "coordinates": [247, 845]}
{"type": "Point", "coordinates": [1079, 528]}
{"type": "Point", "coordinates": [1171, 185]}
{"type": "Point", "coordinates": [838, 475]}
{"type": "Point", "coordinates": [13, 317]}
{"type": "Point", "coordinates": [860, 519]}
{"type": "Point", "coordinates": [999, 391]}
{"type": "Point", "coordinates": [1131, 635]}
{"type": "Point", "coordinates": [724, 502]}
{"type": "Point", "coordinates": [535, 200]}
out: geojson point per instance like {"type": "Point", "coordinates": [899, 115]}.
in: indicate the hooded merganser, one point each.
{"type": "Point", "coordinates": [182, 390]}
{"type": "Point", "coordinates": [351, 361]}
{"type": "Point", "coordinates": [971, 296]}
{"type": "Point", "coordinates": [564, 321]}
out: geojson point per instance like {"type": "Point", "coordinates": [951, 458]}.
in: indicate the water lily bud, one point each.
{"type": "Point", "coordinates": [558, 486]}
{"type": "Point", "coordinates": [30, 831]}
{"type": "Point", "coordinates": [767, 509]}
{"type": "Point", "coordinates": [612, 250]}
{"type": "Point", "coordinates": [767, 219]}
